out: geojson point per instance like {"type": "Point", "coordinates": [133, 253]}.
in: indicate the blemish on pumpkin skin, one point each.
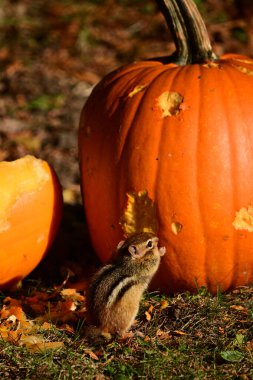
{"type": "Point", "coordinates": [136, 90]}
{"type": "Point", "coordinates": [244, 70]}
{"type": "Point", "coordinates": [247, 61]}
{"type": "Point", "coordinates": [176, 228]}
{"type": "Point", "coordinates": [244, 219]}
{"type": "Point", "coordinates": [169, 103]}
{"type": "Point", "coordinates": [139, 214]}
{"type": "Point", "coordinates": [210, 65]}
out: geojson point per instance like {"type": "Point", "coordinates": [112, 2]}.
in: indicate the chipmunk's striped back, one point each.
{"type": "Point", "coordinates": [116, 289]}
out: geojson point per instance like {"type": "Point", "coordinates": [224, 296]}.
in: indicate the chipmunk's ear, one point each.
{"type": "Point", "coordinates": [120, 244]}
{"type": "Point", "coordinates": [133, 250]}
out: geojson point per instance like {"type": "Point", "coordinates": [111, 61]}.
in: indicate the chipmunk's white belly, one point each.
{"type": "Point", "coordinates": [119, 316]}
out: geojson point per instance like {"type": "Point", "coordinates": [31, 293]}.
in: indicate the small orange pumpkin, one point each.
{"type": "Point", "coordinates": [180, 127]}
{"type": "Point", "coordinates": [30, 214]}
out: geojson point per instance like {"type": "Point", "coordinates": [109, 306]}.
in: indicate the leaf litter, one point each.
{"type": "Point", "coordinates": [60, 308]}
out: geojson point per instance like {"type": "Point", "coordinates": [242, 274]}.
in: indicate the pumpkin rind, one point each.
{"type": "Point", "coordinates": [185, 135]}
{"type": "Point", "coordinates": [29, 216]}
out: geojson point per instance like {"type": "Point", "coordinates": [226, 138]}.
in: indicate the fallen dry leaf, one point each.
{"type": "Point", "coordinates": [151, 308]}
{"type": "Point", "coordinates": [163, 334]}
{"type": "Point", "coordinates": [67, 328]}
{"type": "Point", "coordinates": [91, 354]}
{"type": "Point", "coordinates": [10, 336]}
{"type": "Point", "coordinates": [72, 294]}
{"type": "Point", "coordinates": [46, 326]}
{"type": "Point", "coordinates": [29, 340]}
{"type": "Point", "coordinates": [250, 345]}
{"type": "Point", "coordinates": [179, 332]}
{"type": "Point", "coordinates": [18, 329]}
{"type": "Point", "coordinates": [44, 346]}
{"type": "Point", "coordinates": [238, 307]}
{"type": "Point", "coordinates": [164, 304]}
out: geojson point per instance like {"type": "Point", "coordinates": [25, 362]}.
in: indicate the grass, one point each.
{"type": "Point", "coordinates": [186, 336]}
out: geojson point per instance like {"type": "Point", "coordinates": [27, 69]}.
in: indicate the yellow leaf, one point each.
{"type": "Point", "coordinates": [148, 316]}
{"type": "Point", "coordinates": [10, 336]}
{"type": "Point", "coordinates": [151, 308]}
{"type": "Point", "coordinates": [72, 294]}
{"type": "Point", "coordinates": [164, 304]}
{"type": "Point", "coordinates": [139, 214]}
{"type": "Point", "coordinates": [46, 326]}
{"type": "Point", "coordinates": [30, 340]}
{"type": "Point", "coordinates": [44, 346]}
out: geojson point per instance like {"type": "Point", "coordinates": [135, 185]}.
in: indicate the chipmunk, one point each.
{"type": "Point", "coordinates": [117, 288]}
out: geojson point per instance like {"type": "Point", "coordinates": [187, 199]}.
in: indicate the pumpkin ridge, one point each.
{"type": "Point", "coordinates": [125, 101]}
{"type": "Point", "coordinates": [119, 74]}
{"type": "Point", "coordinates": [163, 126]}
{"type": "Point", "coordinates": [199, 200]}
{"type": "Point", "coordinates": [211, 255]}
{"type": "Point", "coordinates": [122, 161]}
{"type": "Point", "coordinates": [234, 187]}
{"type": "Point", "coordinates": [160, 172]}
{"type": "Point", "coordinates": [207, 280]}
{"type": "Point", "coordinates": [123, 90]}
{"type": "Point", "coordinates": [176, 129]}
{"type": "Point", "coordinates": [129, 123]}
{"type": "Point", "coordinates": [235, 157]}
{"type": "Point", "coordinates": [142, 96]}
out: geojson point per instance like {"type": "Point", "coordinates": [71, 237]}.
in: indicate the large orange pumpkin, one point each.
{"type": "Point", "coordinates": [180, 127]}
{"type": "Point", "coordinates": [30, 213]}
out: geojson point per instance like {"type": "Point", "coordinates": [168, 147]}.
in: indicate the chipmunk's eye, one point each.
{"type": "Point", "coordinates": [149, 244]}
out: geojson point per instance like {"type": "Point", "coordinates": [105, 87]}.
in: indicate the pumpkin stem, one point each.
{"type": "Point", "coordinates": [188, 31]}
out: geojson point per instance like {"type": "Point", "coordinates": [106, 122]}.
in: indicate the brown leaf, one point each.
{"type": "Point", "coordinates": [91, 354]}
{"type": "Point", "coordinates": [67, 328]}
{"type": "Point", "coordinates": [163, 334]}
{"type": "Point", "coordinates": [179, 332]}
{"type": "Point", "coordinates": [250, 345]}
{"type": "Point", "coordinates": [238, 308]}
